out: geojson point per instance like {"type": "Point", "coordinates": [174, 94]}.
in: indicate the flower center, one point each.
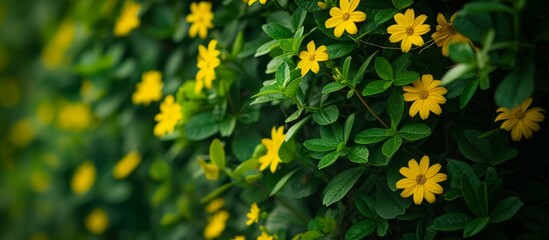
{"type": "Point", "coordinates": [410, 31]}
{"type": "Point", "coordinates": [451, 30]}
{"type": "Point", "coordinates": [520, 114]}
{"type": "Point", "coordinates": [312, 57]}
{"type": "Point", "coordinates": [421, 179]}
{"type": "Point", "coordinates": [346, 16]}
{"type": "Point", "coordinates": [423, 95]}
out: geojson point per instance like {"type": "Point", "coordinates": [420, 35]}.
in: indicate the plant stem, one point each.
{"type": "Point", "coordinates": [370, 109]}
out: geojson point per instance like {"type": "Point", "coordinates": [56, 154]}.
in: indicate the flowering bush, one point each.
{"type": "Point", "coordinates": [274, 119]}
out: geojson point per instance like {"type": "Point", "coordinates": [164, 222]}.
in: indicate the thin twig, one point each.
{"type": "Point", "coordinates": [370, 109]}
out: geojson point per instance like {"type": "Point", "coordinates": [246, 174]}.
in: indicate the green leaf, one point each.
{"type": "Point", "coordinates": [482, 196]}
{"type": "Point", "coordinates": [474, 26]}
{"type": "Point", "coordinates": [348, 127]}
{"type": "Point", "coordinates": [461, 52]}
{"type": "Point", "coordinates": [311, 235]}
{"type": "Point", "coordinates": [346, 66]}
{"type": "Point", "coordinates": [288, 151]}
{"type": "Point", "coordinates": [384, 15]}
{"type": "Point", "coordinates": [201, 126]}
{"type": "Point", "coordinates": [308, 5]}
{"type": "Point", "coordinates": [282, 182]}
{"type": "Point", "coordinates": [282, 74]}
{"type": "Point", "coordinates": [358, 154]}
{"type": "Point", "coordinates": [383, 68]}
{"type": "Point", "coordinates": [458, 169]}
{"type": "Point", "coordinates": [217, 153]}
{"type": "Point", "coordinates": [391, 146]}
{"type": "Point", "coordinates": [365, 205]}
{"type": "Point", "coordinates": [451, 222]}
{"type": "Point", "coordinates": [373, 135]}
{"type": "Point", "coordinates": [226, 127]}
{"type": "Point", "coordinates": [340, 50]}
{"type": "Point", "coordinates": [328, 159]}
{"type": "Point", "coordinates": [276, 31]}
{"type": "Point", "coordinates": [161, 194]}
{"type": "Point", "coordinates": [395, 108]}
{"type": "Point", "coordinates": [414, 131]}
{"type": "Point", "coordinates": [293, 129]}
{"type": "Point", "coordinates": [505, 209]}
{"type": "Point", "coordinates": [332, 87]}
{"type": "Point", "coordinates": [326, 115]}
{"type": "Point", "coordinates": [375, 87]}
{"type": "Point", "coordinates": [298, 17]}
{"type": "Point", "coordinates": [456, 72]}
{"type": "Point", "coordinates": [286, 44]}
{"type": "Point", "coordinates": [401, 4]}
{"type": "Point", "coordinates": [292, 88]}
{"type": "Point", "coordinates": [470, 196]}
{"type": "Point", "coordinates": [338, 187]}
{"type": "Point", "coordinates": [468, 93]}
{"type": "Point", "coordinates": [482, 7]}
{"type": "Point", "coordinates": [516, 86]}
{"type": "Point", "coordinates": [244, 143]}
{"type": "Point", "coordinates": [475, 226]}
{"type": "Point", "coordinates": [360, 73]}
{"type": "Point", "coordinates": [321, 144]}
{"type": "Point", "coordinates": [405, 78]}
{"type": "Point", "coordinates": [389, 204]}
{"type": "Point", "coordinates": [361, 230]}
{"type": "Point", "coordinates": [159, 170]}
{"type": "Point", "coordinates": [216, 192]}
{"type": "Point", "coordinates": [377, 158]}
{"type": "Point", "coordinates": [474, 148]}
{"type": "Point", "coordinates": [266, 48]}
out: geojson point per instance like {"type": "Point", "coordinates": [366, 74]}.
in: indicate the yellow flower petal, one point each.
{"type": "Point", "coordinates": [418, 195]}
{"type": "Point", "coordinates": [357, 16]}
{"type": "Point", "coordinates": [424, 165]}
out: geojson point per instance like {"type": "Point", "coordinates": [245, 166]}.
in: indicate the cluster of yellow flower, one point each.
{"type": "Point", "coordinates": [207, 61]}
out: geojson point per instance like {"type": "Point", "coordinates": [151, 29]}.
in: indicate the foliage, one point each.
{"type": "Point", "coordinates": [218, 119]}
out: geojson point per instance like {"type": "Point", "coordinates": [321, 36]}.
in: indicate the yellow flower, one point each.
{"type": "Point", "coordinates": [421, 180]}
{"type": "Point", "coordinates": [201, 17]}
{"type": "Point", "coordinates": [211, 171]}
{"type": "Point", "coordinates": [216, 225]}
{"type": "Point", "coordinates": [239, 237]}
{"type": "Point", "coordinates": [215, 205]}
{"type": "Point", "coordinates": [53, 54]}
{"type": "Point", "coordinates": [264, 236]}
{"type": "Point", "coordinates": [21, 133]}
{"type": "Point", "coordinates": [446, 33]}
{"type": "Point", "coordinates": [83, 178]}
{"type": "Point", "coordinates": [97, 221]}
{"type": "Point", "coordinates": [74, 116]}
{"type": "Point", "coordinates": [408, 30]}
{"type": "Point", "coordinates": [11, 93]}
{"type": "Point", "coordinates": [126, 165]}
{"type": "Point", "coordinates": [149, 89]}
{"type": "Point", "coordinates": [311, 57]}
{"type": "Point", "coordinates": [128, 19]}
{"type": "Point", "coordinates": [253, 215]}
{"type": "Point", "coordinates": [169, 116]}
{"type": "Point", "coordinates": [426, 95]}
{"type": "Point", "coordinates": [271, 157]}
{"type": "Point", "coordinates": [207, 62]}
{"type": "Point", "coordinates": [250, 2]}
{"type": "Point", "coordinates": [344, 17]}
{"type": "Point", "coordinates": [520, 120]}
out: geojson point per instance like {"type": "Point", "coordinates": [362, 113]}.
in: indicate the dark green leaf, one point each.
{"type": "Point", "coordinates": [395, 108]}
{"type": "Point", "coordinates": [321, 144]}
{"type": "Point", "coordinates": [293, 129]}
{"type": "Point", "coordinates": [276, 31]}
{"type": "Point", "coordinates": [475, 226]}
{"type": "Point", "coordinates": [361, 229]}
{"type": "Point", "coordinates": [375, 87]}
{"type": "Point", "coordinates": [468, 93]}
{"type": "Point", "coordinates": [405, 78]}
{"type": "Point", "coordinates": [505, 209]}
{"type": "Point", "coordinates": [298, 17]}
{"type": "Point", "coordinates": [282, 182]}
{"type": "Point", "coordinates": [451, 222]}
{"type": "Point", "coordinates": [348, 127]}
{"type": "Point", "coordinates": [401, 4]}
{"type": "Point", "coordinates": [309, 6]}
{"type": "Point", "coordinates": [332, 87]}
{"type": "Point", "coordinates": [470, 196]}
{"type": "Point", "coordinates": [201, 126]}
{"type": "Point", "coordinates": [516, 86]}
{"type": "Point", "coordinates": [286, 44]}
{"type": "Point", "coordinates": [266, 48]}
{"type": "Point", "coordinates": [384, 15]}
{"type": "Point", "coordinates": [362, 69]}
{"type": "Point", "coordinates": [226, 127]}
{"type": "Point", "coordinates": [389, 204]}
{"type": "Point", "coordinates": [482, 7]}
{"type": "Point", "coordinates": [391, 146]}
{"type": "Point", "coordinates": [328, 159]}
{"type": "Point", "coordinates": [383, 68]}
{"type": "Point", "coordinates": [338, 187]}
{"type": "Point", "coordinates": [326, 115]}
{"type": "Point", "coordinates": [461, 52]}
{"type": "Point", "coordinates": [373, 135]}
{"type": "Point", "coordinates": [159, 170]}
{"type": "Point", "coordinates": [414, 131]}
{"type": "Point", "coordinates": [474, 26]}
{"type": "Point", "coordinates": [346, 66]}
{"type": "Point", "coordinates": [288, 151]}
{"type": "Point", "coordinates": [340, 50]}
{"type": "Point", "coordinates": [457, 169]}
{"type": "Point", "coordinates": [456, 72]}
{"type": "Point", "coordinates": [358, 154]}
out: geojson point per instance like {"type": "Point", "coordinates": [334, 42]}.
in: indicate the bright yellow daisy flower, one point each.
{"type": "Point", "coordinates": [169, 116]}
{"type": "Point", "coordinates": [446, 33]}
{"type": "Point", "coordinates": [421, 180]}
{"type": "Point", "coordinates": [149, 89]}
{"type": "Point", "coordinates": [408, 30]}
{"type": "Point", "coordinates": [216, 225]}
{"type": "Point", "coordinates": [253, 215]}
{"type": "Point", "coordinates": [311, 57]}
{"type": "Point", "coordinates": [520, 120]}
{"type": "Point", "coordinates": [128, 19]}
{"type": "Point", "coordinates": [201, 17]}
{"type": "Point", "coordinates": [343, 18]}
{"type": "Point", "coordinates": [271, 158]}
{"type": "Point", "coordinates": [426, 96]}
{"type": "Point", "coordinates": [207, 62]}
